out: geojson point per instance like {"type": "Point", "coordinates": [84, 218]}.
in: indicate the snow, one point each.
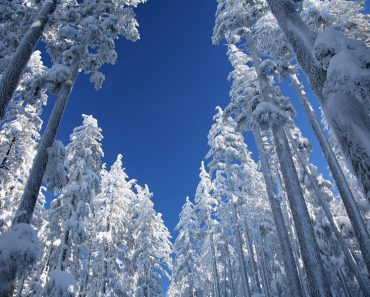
{"type": "Point", "coordinates": [19, 250]}
{"type": "Point", "coordinates": [60, 284]}
{"type": "Point", "coordinates": [267, 112]}
{"type": "Point", "coordinates": [347, 62]}
{"type": "Point", "coordinates": [55, 173]}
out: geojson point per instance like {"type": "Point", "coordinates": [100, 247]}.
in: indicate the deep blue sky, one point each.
{"type": "Point", "coordinates": [157, 102]}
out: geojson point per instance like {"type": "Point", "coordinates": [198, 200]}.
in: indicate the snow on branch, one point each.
{"type": "Point", "coordinates": [19, 251]}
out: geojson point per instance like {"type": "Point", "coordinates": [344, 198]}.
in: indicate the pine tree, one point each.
{"type": "Point", "coordinates": [83, 162]}
{"type": "Point", "coordinates": [25, 43]}
{"type": "Point", "coordinates": [302, 41]}
{"type": "Point", "coordinates": [152, 248]}
{"type": "Point", "coordinates": [70, 47]}
{"type": "Point", "coordinates": [19, 136]}
{"type": "Point", "coordinates": [109, 237]}
{"type": "Point", "coordinates": [183, 276]}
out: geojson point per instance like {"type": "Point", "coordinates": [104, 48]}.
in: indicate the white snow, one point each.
{"type": "Point", "coordinates": [19, 250]}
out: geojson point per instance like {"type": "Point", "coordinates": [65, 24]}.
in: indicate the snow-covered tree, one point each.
{"type": "Point", "coordinates": [110, 237]}
{"type": "Point", "coordinates": [83, 162]}
{"type": "Point", "coordinates": [22, 29]}
{"type": "Point", "coordinates": [343, 104]}
{"type": "Point", "coordinates": [183, 275]}
{"type": "Point", "coordinates": [83, 40]}
{"type": "Point", "coordinates": [151, 251]}
{"type": "Point", "coordinates": [19, 136]}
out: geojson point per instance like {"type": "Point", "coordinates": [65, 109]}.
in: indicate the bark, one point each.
{"type": "Point", "coordinates": [28, 201]}
{"type": "Point", "coordinates": [344, 284]}
{"type": "Point", "coordinates": [347, 116]}
{"type": "Point", "coordinates": [214, 264]}
{"type": "Point", "coordinates": [13, 72]}
{"type": "Point", "coordinates": [253, 260]}
{"type": "Point", "coordinates": [64, 250]}
{"type": "Point", "coordinates": [296, 252]}
{"type": "Point", "coordinates": [239, 246]}
{"type": "Point", "coordinates": [316, 277]}
{"type": "Point", "coordinates": [85, 278]}
{"type": "Point", "coordinates": [7, 154]}
{"type": "Point", "coordinates": [354, 267]}
{"type": "Point", "coordinates": [282, 232]}
{"type": "Point", "coordinates": [349, 202]}
{"type": "Point", "coordinates": [262, 261]}
{"type": "Point", "coordinates": [229, 267]}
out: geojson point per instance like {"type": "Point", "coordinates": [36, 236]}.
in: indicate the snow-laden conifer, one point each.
{"type": "Point", "coordinates": [83, 162]}
{"type": "Point", "coordinates": [183, 275]}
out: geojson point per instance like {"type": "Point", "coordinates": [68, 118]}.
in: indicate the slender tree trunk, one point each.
{"type": "Point", "coordinates": [252, 256]}
{"type": "Point", "coordinates": [85, 278]}
{"type": "Point", "coordinates": [315, 272]}
{"type": "Point", "coordinates": [262, 264]}
{"type": "Point", "coordinates": [349, 202]}
{"type": "Point", "coordinates": [225, 276]}
{"type": "Point", "coordinates": [296, 252]}
{"type": "Point", "coordinates": [347, 116]}
{"type": "Point", "coordinates": [217, 279]}
{"type": "Point", "coordinates": [282, 232]}
{"type": "Point", "coordinates": [239, 246]}
{"type": "Point", "coordinates": [13, 72]}
{"type": "Point", "coordinates": [231, 274]}
{"type": "Point", "coordinates": [344, 284]}
{"type": "Point", "coordinates": [28, 201]}
{"type": "Point", "coordinates": [354, 267]}
{"type": "Point", "coordinates": [64, 250]}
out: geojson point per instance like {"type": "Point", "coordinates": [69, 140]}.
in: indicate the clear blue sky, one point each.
{"type": "Point", "coordinates": [157, 102]}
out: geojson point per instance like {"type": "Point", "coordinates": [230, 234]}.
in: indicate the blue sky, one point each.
{"type": "Point", "coordinates": [157, 102]}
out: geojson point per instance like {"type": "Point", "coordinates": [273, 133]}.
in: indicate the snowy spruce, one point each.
{"type": "Point", "coordinates": [259, 225]}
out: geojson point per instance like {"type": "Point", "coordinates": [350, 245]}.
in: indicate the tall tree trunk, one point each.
{"type": "Point", "coordinates": [315, 272]}
{"type": "Point", "coordinates": [13, 72]}
{"type": "Point", "coordinates": [28, 201]}
{"type": "Point", "coordinates": [296, 252]}
{"type": "Point", "coordinates": [239, 247]}
{"type": "Point", "coordinates": [262, 261]}
{"type": "Point", "coordinates": [85, 278]}
{"type": "Point", "coordinates": [350, 122]}
{"type": "Point", "coordinates": [252, 256]}
{"type": "Point", "coordinates": [214, 264]}
{"type": "Point", "coordinates": [231, 274]}
{"type": "Point", "coordinates": [354, 267]}
{"type": "Point", "coordinates": [282, 232]}
{"type": "Point", "coordinates": [349, 202]}
{"type": "Point", "coordinates": [344, 284]}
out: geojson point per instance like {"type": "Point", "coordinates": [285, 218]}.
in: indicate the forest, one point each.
{"type": "Point", "coordinates": [275, 226]}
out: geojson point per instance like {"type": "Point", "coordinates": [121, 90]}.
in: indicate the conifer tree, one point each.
{"type": "Point", "coordinates": [83, 163]}
{"type": "Point", "coordinates": [183, 276]}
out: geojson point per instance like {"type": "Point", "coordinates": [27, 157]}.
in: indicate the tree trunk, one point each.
{"type": "Point", "coordinates": [262, 261]}
{"type": "Point", "coordinates": [316, 277]}
{"type": "Point", "coordinates": [354, 267]}
{"type": "Point", "coordinates": [28, 201]}
{"type": "Point", "coordinates": [347, 116]}
{"type": "Point", "coordinates": [344, 284]}
{"type": "Point", "coordinates": [13, 72]}
{"type": "Point", "coordinates": [281, 229]}
{"type": "Point", "coordinates": [231, 275]}
{"type": "Point", "coordinates": [252, 256]}
{"type": "Point", "coordinates": [353, 212]}
{"type": "Point", "coordinates": [239, 246]}
{"type": "Point", "coordinates": [85, 278]}
{"type": "Point", "coordinates": [215, 272]}
{"type": "Point", "coordinates": [296, 252]}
